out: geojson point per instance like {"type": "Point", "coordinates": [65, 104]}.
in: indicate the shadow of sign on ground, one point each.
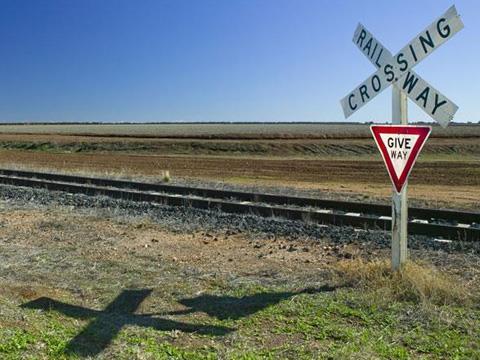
{"type": "Point", "coordinates": [106, 324]}
{"type": "Point", "coordinates": [234, 308]}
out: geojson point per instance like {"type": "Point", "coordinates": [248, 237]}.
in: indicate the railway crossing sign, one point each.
{"type": "Point", "coordinates": [396, 70]}
{"type": "Point", "coordinates": [400, 146]}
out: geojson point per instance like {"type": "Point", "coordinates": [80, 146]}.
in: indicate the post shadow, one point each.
{"type": "Point", "coordinates": [106, 324]}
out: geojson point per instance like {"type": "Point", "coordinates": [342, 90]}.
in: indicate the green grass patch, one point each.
{"type": "Point", "coordinates": [339, 324]}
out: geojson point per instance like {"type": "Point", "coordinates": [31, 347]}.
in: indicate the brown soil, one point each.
{"type": "Point", "coordinates": [106, 240]}
{"type": "Point", "coordinates": [439, 183]}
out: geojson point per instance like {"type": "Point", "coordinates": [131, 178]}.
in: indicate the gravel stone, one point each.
{"type": "Point", "coordinates": [189, 220]}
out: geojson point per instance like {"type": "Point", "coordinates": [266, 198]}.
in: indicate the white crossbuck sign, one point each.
{"type": "Point", "coordinates": [397, 69]}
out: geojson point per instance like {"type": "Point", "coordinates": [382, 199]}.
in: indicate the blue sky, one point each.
{"type": "Point", "coordinates": [213, 60]}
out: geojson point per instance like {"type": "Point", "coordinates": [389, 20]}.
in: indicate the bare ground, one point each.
{"type": "Point", "coordinates": [445, 183]}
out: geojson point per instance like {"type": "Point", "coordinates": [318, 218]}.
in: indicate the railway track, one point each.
{"type": "Point", "coordinates": [444, 224]}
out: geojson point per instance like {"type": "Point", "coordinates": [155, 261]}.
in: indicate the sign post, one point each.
{"type": "Point", "coordinates": [396, 70]}
{"type": "Point", "coordinates": [400, 146]}
{"type": "Point", "coordinates": [399, 201]}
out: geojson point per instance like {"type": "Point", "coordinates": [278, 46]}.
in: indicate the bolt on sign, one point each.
{"type": "Point", "coordinates": [400, 146]}
{"type": "Point", "coordinates": [397, 69]}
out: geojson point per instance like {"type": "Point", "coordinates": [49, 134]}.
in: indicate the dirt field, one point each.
{"type": "Point", "coordinates": [466, 148]}
{"type": "Point", "coordinates": [329, 159]}
{"type": "Point", "coordinates": [434, 183]}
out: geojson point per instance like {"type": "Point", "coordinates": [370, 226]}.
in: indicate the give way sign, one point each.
{"type": "Point", "coordinates": [400, 146]}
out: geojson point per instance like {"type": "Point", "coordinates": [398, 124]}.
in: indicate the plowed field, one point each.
{"type": "Point", "coordinates": [447, 183]}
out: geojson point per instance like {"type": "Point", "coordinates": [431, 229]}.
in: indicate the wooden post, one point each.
{"type": "Point", "coordinates": [399, 201]}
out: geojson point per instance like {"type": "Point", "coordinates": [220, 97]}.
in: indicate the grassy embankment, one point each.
{"type": "Point", "coordinates": [213, 296]}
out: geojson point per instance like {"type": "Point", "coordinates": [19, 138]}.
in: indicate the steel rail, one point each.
{"type": "Point", "coordinates": [111, 188]}
{"type": "Point", "coordinates": [453, 216]}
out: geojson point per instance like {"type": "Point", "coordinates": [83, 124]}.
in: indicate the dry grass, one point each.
{"type": "Point", "coordinates": [417, 282]}
{"type": "Point", "coordinates": [123, 173]}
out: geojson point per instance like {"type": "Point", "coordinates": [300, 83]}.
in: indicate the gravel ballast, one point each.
{"type": "Point", "coordinates": [188, 220]}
